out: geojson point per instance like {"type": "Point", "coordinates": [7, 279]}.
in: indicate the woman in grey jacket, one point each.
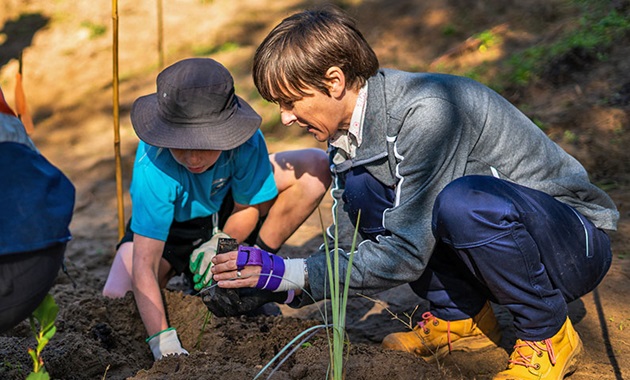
{"type": "Point", "coordinates": [461, 196]}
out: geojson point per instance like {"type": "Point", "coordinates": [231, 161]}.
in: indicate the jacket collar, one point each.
{"type": "Point", "coordinates": [374, 142]}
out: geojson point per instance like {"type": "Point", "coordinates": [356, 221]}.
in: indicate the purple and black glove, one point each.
{"type": "Point", "coordinates": [278, 279]}
{"type": "Point", "coordinates": [272, 266]}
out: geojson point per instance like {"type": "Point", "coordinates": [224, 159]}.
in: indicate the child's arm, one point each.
{"type": "Point", "coordinates": [147, 253]}
{"type": "Point", "coordinates": [146, 289]}
{"type": "Point", "coordinates": [242, 221]}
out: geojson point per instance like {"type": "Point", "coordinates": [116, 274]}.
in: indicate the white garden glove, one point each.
{"type": "Point", "coordinates": [165, 343]}
{"type": "Point", "coordinates": [200, 261]}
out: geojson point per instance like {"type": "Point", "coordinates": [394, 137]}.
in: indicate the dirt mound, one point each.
{"type": "Point", "coordinates": [103, 338]}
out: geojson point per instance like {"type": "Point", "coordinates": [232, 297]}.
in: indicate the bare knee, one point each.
{"type": "Point", "coordinates": [118, 281]}
{"type": "Point", "coordinates": [113, 293]}
{"type": "Point", "coordinates": [320, 168]}
{"type": "Point", "coordinates": [308, 168]}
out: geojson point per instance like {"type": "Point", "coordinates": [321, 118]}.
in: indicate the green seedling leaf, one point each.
{"type": "Point", "coordinates": [44, 339]}
{"type": "Point", "coordinates": [48, 334]}
{"type": "Point", "coordinates": [38, 376]}
{"type": "Point", "coordinates": [33, 354]}
{"type": "Point", "coordinates": [46, 313]}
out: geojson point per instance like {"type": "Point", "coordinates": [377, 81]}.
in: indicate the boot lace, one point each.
{"type": "Point", "coordinates": [430, 319]}
{"type": "Point", "coordinates": [537, 349]}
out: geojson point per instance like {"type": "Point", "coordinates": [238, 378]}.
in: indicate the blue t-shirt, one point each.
{"type": "Point", "coordinates": [36, 198]}
{"type": "Point", "coordinates": [162, 190]}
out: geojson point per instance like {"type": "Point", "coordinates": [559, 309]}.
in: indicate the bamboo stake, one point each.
{"type": "Point", "coordinates": [119, 191]}
{"type": "Point", "coordinates": [160, 35]}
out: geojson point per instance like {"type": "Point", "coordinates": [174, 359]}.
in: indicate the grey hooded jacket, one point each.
{"type": "Point", "coordinates": [421, 131]}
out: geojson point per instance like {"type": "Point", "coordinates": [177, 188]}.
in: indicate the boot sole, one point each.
{"type": "Point", "coordinates": [573, 360]}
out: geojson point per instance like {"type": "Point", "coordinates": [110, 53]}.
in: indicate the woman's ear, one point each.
{"type": "Point", "coordinates": [336, 80]}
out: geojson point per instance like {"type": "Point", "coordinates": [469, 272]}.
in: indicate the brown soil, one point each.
{"type": "Point", "coordinates": [68, 71]}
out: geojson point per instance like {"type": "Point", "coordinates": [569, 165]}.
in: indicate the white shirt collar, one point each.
{"type": "Point", "coordinates": [349, 140]}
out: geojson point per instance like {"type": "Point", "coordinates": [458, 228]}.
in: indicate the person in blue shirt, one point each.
{"type": "Point", "coordinates": [202, 172]}
{"type": "Point", "coordinates": [36, 204]}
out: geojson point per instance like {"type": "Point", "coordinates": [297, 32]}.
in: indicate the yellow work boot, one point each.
{"type": "Point", "coordinates": [551, 358]}
{"type": "Point", "coordinates": [434, 338]}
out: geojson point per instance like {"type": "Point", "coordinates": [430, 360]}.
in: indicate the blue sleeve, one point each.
{"type": "Point", "coordinates": [253, 181]}
{"type": "Point", "coordinates": [153, 194]}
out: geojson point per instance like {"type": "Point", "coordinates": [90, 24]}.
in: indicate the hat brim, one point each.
{"type": "Point", "coordinates": [226, 135]}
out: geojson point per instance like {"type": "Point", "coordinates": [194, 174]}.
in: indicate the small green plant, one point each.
{"type": "Point", "coordinates": [540, 124]}
{"type": "Point", "coordinates": [488, 39]}
{"type": "Point", "coordinates": [205, 50]}
{"type": "Point", "coordinates": [96, 30]}
{"type": "Point", "coordinates": [45, 315]}
{"type": "Point", "coordinates": [449, 30]}
{"type": "Point", "coordinates": [569, 137]}
{"type": "Point", "coordinates": [207, 318]}
{"type": "Point", "coordinates": [338, 299]}
{"type": "Point", "coordinates": [607, 184]}
{"type": "Point", "coordinates": [597, 30]}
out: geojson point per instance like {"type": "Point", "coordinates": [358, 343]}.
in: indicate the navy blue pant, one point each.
{"type": "Point", "coordinates": [512, 245]}
{"type": "Point", "coordinates": [184, 237]}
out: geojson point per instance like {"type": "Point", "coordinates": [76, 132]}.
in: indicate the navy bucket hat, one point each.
{"type": "Point", "coordinates": [195, 107]}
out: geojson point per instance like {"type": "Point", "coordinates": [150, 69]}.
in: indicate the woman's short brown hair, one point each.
{"type": "Point", "coordinates": [298, 52]}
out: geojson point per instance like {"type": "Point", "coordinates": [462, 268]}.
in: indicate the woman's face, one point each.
{"type": "Point", "coordinates": [316, 113]}
{"type": "Point", "coordinates": [196, 161]}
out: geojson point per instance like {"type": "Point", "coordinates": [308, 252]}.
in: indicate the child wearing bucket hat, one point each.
{"type": "Point", "coordinates": [202, 171]}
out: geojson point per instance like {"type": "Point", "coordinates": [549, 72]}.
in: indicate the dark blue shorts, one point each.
{"type": "Point", "coordinates": [184, 237]}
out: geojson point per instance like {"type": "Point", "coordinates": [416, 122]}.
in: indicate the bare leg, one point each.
{"type": "Point", "coordinates": [302, 177]}
{"type": "Point", "coordinates": [119, 279]}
